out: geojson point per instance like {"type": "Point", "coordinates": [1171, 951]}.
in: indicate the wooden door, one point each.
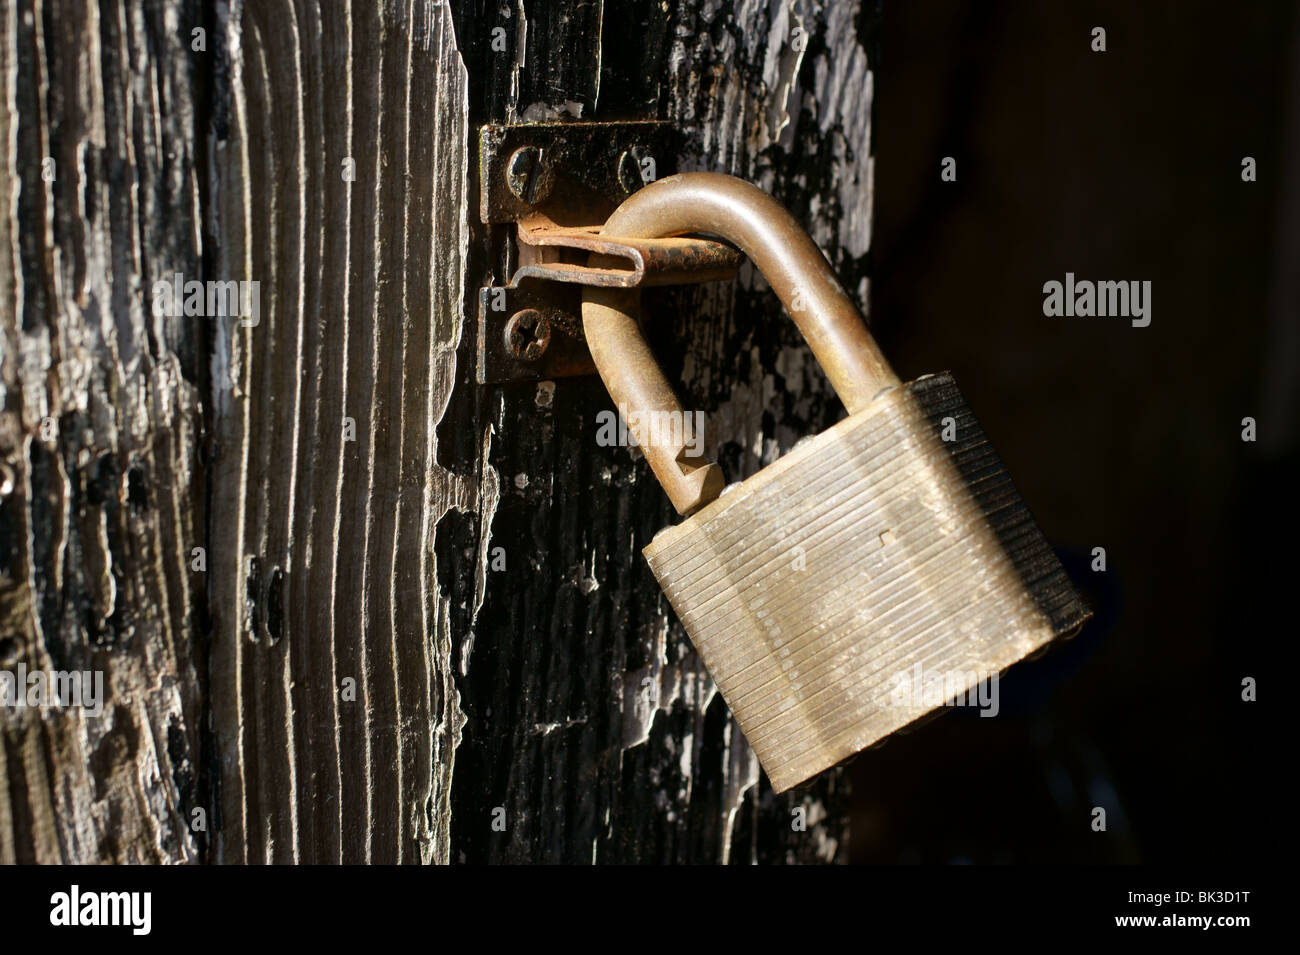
{"type": "Point", "coordinates": [350, 604]}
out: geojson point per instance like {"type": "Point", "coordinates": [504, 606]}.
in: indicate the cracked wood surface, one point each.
{"type": "Point", "coordinates": [590, 720]}
{"type": "Point", "coordinates": [100, 424]}
{"type": "Point", "coordinates": [331, 686]}
{"type": "Point", "coordinates": [425, 631]}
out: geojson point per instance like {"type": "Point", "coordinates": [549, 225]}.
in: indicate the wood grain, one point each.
{"type": "Point", "coordinates": [591, 721]}
{"type": "Point", "coordinates": [331, 686]}
{"type": "Point", "coordinates": [558, 694]}
{"type": "Point", "coordinates": [551, 710]}
{"type": "Point", "coordinates": [100, 420]}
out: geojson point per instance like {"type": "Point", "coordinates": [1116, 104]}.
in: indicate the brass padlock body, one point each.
{"type": "Point", "coordinates": [813, 589]}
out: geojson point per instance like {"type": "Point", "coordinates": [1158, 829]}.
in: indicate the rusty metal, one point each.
{"type": "Point", "coordinates": [552, 284]}
{"type": "Point", "coordinates": [633, 262]}
{"type": "Point", "coordinates": [557, 182]}
{"type": "Point", "coordinates": [792, 264]}
{"type": "Point", "coordinates": [557, 306]}
{"type": "Point", "coordinates": [575, 172]}
{"type": "Point", "coordinates": [527, 334]}
{"type": "Point", "coordinates": [529, 175]}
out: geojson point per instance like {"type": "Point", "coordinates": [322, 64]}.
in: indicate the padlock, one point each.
{"type": "Point", "coordinates": [880, 569]}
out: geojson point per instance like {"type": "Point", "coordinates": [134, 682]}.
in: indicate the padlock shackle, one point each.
{"type": "Point", "coordinates": [777, 244]}
{"type": "Point", "coordinates": [782, 250]}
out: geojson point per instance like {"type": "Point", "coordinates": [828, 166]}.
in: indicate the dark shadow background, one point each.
{"type": "Point", "coordinates": [1122, 165]}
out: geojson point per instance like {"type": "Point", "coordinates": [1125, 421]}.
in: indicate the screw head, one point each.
{"type": "Point", "coordinates": [527, 334]}
{"type": "Point", "coordinates": [527, 175]}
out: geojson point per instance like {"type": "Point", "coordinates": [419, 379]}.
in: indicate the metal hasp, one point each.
{"type": "Point", "coordinates": [789, 260]}
{"type": "Point", "coordinates": [557, 183]}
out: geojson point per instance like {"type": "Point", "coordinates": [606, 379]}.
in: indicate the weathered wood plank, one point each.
{"type": "Point", "coordinates": [100, 495]}
{"type": "Point", "coordinates": [591, 721]}
{"type": "Point", "coordinates": [357, 483]}
{"type": "Point", "coordinates": [326, 483]}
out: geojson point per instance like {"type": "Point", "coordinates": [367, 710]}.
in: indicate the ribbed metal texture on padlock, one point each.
{"type": "Point", "coordinates": [827, 593]}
